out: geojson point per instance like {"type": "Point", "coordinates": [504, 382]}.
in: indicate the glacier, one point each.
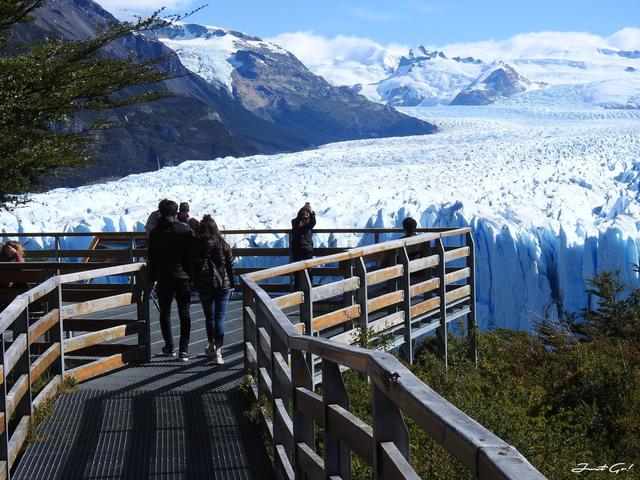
{"type": "Point", "coordinates": [552, 197]}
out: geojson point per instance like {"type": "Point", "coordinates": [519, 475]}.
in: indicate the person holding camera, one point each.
{"type": "Point", "coordinates": [302, 233]}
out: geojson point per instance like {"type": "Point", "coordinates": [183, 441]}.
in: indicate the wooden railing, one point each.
{"type": "Point", "coordinates": [37, 342]}
{"type": "Point", "coordinates": [408, 286]}
{"type": "Point", "coordinates": [131, 247]}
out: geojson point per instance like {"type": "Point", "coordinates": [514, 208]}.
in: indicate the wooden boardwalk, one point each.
{"type": "Point", "coordinates": [161, 419]}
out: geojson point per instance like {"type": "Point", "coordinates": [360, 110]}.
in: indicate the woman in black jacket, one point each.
{"type": "Point", "coordinates": [213, 275]}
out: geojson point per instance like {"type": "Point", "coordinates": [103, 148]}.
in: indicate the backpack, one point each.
{"type": "Point", "coordinates": [209, 274]}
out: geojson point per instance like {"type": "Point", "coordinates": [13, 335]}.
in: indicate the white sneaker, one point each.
{"type": "Point", "coordinates": [210, 350]}
{"type": "Point", "coordinates": [219, 359]}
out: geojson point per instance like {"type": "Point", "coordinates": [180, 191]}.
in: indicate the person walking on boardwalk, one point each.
{"type": "Point", "coordinates": [168, 258]}
{"type": "Point", "coordinates": [213, 277]}
{"type": "Point", "coordinates": [302, 233]}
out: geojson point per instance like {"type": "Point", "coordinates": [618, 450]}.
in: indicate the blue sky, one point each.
{"type": "Point", "coordinates": [409, 22]}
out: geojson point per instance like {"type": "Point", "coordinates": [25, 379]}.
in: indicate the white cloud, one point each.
{"type": "Point", "coordinates": [313, 49]}
{"type": "Point", "coordinates": [316, 50]}
{"type": "Point", "coordinates": [626, 39]}
{"type": "Point", "coordinates": [125, 9]}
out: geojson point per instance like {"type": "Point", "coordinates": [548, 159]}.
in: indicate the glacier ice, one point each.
{"type": "Point", "coordinates": [551, 197]}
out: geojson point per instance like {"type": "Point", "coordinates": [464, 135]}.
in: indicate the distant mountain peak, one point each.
{"type": "Point", "coordinates": [499, 81]}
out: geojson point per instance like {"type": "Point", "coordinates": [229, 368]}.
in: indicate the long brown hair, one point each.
{"type": "Point", "coordinates": [209, 228]}
{"type": "Point", "coordinates": [17, 246]}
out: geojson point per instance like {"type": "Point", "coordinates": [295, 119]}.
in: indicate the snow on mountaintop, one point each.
{"type": "Point", "coordinates": [209, 51]}
{"type": "Point", "coordinates": [553, 58]}
{"type": "Point", "coordinates": [552, 197]}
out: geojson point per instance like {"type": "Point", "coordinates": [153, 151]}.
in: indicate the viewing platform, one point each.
{"type": "Point", "coordinates": [291, 330]}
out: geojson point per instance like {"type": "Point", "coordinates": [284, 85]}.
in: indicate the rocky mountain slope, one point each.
{"type": "Point", "coordinates": [273, 84]}
{"type": "Point", "coordinates": [203, 120]}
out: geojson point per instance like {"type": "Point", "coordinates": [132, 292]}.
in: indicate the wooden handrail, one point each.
{"type": "Point", "coordinates": [271, 338]}
{"type": "Point", "coordinates": [21, 358]}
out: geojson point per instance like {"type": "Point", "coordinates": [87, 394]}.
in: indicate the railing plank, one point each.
{"type": "Point", "coordinates": [310, 462]}
{"type": "Point", "coordinates": [20, 387]}
{"type": "Point", "coordinates": [43, 324]}
{"type": "Point", "coordinates": [424, 307]}
{"type": "Point", "coordinates": [456, 253]}
{"type": "Point", "coordinates": [423, 263]}
{"type": "Point", "coordinates": [17, 439]}
{"type": "Point", "coordinates": [310, 403]}
{"type": "Point", "coordinates": [393, 464]}
{"type": "Point", "coordinates": [290, 300]}
{"type": "Point", "coordinates": [458, 275]}
{"type": "Point", "coordinates": [44, 361]}
{"type": "Point", "coordinates": [384, 274]}
{"type": "Point", "coordinates": [98, 305]}
{"type": "Point", "coordinates": [457, 294]}
{"type": "Point", "coordinates": [390, 321]}
{"type": "Point", "coordinates": [383, 301]}
{"type": "Point", "coordinates": [48, 391]}
{"type": "Point", "coordinates": [334, 289]}
{"type": "Point", "coordinates": [13, 353]}
{"type": "Point", "coordinates": [354, 432]}
{"type": "Point", "coordinates": [424, 287]}
{"type": "Point", "coordinates": [104, 365]}
{"type": "Point", "coordinates": [336, 318]}
{"type": "Point", "coordinates": [113, 333]}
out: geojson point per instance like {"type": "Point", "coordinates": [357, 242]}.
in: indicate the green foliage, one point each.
{"type": "Point", "coordinates": [45, 86]}
{"type": "Point", "coordinates": [566, 394]}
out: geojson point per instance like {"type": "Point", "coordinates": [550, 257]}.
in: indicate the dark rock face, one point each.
{"type": "Point", "coordinates": [204, 121]}
{"type": "Point", "coordinates": [502, 82]}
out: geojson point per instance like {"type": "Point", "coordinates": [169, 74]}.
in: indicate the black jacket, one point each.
{"type": "Point", "coordinates": [222, 260]}
{"type": "Point", "coordinates": [302, 238]}
{"type": "Point", "coordinates": [169, 246]}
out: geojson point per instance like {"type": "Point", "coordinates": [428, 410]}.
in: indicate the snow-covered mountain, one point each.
{"type": "Point", "coordinates": [583, 70]}
{"type": "Point", "coordinates": [552, 197]}
{"type": "Point", "coordinates": [498, 82]}
{"type": "Point", "coordinates": [273, 84]}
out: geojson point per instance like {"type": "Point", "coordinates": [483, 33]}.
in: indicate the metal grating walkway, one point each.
{"type": "Point", "coordinates": [164, 419]}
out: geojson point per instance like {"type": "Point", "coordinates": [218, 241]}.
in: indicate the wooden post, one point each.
{"type": "Point", "coordinates": [348, 298]}
{"type": "Point", "coordinates": [441, 331]}
{"type": "Point", "coordinates": [58, 248]}
{"type": "Point", "coordinates": [57, 332]}
{"type": "Point", "coordinates": [472, 328]}
{"type": "Point", "coordinates": [4, 436]}
{"type": "Point", "coordinates": [23, 365]}
{"type": "Point", "coordinates": [405, 282]}
{"type": "Point", "coordinates": [362, 297]}
{"type": "Point", "coordinates": [278, 391]}
{"type": "Point", "coordinates": [263, 360]}
{"type": "Point", "coordinates": [303, 431]}
{"type": "Point", "coordinates": [306, 311]}
{"type": "Point", "coordinates": [142, 306]}
{"type": "Point", "coordinates": [337, 457]}
{"type": "Point", "coordinates": [248, 332]}
{"type": "Point", "coordinates": [388, 426]}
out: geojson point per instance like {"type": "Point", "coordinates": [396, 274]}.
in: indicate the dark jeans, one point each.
{"type": "Point", "coordinates": [178, 288]}
{"type": "Point", "coordinates": [214, 305]}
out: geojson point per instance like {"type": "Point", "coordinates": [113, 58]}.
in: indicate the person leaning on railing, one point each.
{"type": "Point", "coordinates": [12, 251]}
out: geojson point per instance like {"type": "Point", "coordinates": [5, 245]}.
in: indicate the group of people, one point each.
{"type": "Point", "coordinates": [183, 251]}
